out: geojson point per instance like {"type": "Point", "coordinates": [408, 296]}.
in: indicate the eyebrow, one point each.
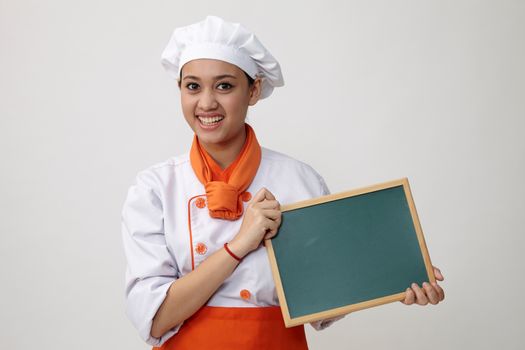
{"type": "Point", "coordinates": [218, 77]}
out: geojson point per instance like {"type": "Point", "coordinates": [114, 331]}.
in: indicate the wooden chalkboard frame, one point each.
{"type": "Point", "coordinates": [289, 321]}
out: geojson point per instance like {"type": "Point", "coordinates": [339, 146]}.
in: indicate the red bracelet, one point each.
{"type": "Point", "coordinates": [231, 253]}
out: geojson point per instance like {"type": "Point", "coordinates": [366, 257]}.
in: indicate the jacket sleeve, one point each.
{"type": "Point", "coordinates": [150, 266]}
{"type": "Point", "coordinates": [324, 189]}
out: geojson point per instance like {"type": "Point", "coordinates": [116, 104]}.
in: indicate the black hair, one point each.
{"type": "Point", "coordinates": [250, 79]}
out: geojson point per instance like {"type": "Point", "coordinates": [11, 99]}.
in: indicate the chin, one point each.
{"type": "Point", "coordinates": [214, 140]}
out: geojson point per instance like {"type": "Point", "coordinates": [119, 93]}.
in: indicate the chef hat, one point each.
{"type": "Point", "coordinates": [230, 42]}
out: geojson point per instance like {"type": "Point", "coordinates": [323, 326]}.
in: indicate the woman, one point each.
{"type": "Point", "coordinates": [198, 275]}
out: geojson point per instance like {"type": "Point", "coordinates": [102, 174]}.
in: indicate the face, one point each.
{"type": "Point", "coordinates": [215, 96]}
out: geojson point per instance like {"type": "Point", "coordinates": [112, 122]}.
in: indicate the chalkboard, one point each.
{"type": "Point", "coordinates": [346, 252]}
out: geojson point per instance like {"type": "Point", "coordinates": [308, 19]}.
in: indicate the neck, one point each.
{"type": "Point", "coordinates": [225, 154]}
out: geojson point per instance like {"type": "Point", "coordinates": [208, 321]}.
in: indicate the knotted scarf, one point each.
{"type": "Point", "coordinates": [225, 187]}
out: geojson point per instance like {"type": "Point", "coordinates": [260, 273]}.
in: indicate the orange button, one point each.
{"type": "Point", "coordinates": [245, 294]}
{"type": "Point", "coordinates": [246, 196]}
{"type": "Point", "coordinates": [200, 203]}
{"type": "Point", "coordinates": [201, 248]}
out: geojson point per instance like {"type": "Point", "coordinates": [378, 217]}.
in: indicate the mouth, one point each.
{"type": "Point", "coordinates": [210, 120]}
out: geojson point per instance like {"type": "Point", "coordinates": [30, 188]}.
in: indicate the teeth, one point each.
{"type": "Point", "coordinates": [210, 120]}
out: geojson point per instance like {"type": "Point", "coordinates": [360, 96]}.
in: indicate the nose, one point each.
{"type": "Point", "coordinates": [207, 100]}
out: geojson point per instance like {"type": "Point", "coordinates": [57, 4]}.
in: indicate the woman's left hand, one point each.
{"type": "Point", "coordinates": [430, 293]}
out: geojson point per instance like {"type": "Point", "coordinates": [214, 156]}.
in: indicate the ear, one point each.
{"type": "Point", "coordinates": [255, 91]}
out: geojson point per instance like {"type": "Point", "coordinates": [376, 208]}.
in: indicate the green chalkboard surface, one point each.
{"type": "Point", "coordinates": [349, 251]}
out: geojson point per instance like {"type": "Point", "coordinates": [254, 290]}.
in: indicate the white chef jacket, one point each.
{"type": "Point", "coordinates": [167, 231]}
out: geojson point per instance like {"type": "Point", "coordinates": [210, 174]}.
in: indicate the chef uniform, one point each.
{"type": "Point", "coordinates": [168, 229]}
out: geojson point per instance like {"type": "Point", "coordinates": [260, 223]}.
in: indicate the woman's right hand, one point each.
{"type": "Point", "coordinates": [261, 220]}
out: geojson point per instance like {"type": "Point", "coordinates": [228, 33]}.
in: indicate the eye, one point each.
{"type": "Point", "coordinates": [192, 86]}
{"type": "Point", "coordinates": [224, 86]}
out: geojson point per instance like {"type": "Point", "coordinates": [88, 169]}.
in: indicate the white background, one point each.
{"type": "Point", "coordinates": [375, 90]}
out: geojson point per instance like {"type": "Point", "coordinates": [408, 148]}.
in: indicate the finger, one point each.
{"type": "Point", "coordinates": [268, 204]}
{"type": "Point", "coordinates": [431, 293]}
{"type": "Point", "coordinates": [409, 297]}
{"type": "Point", "coordinates": [269, 235]}
{"type": "Point", "coordinates": [421, 298]}
{"type": "Point", "coordinates": [272, 228]}
{"type": "Point", "coordinates": [259, 196]}
{"type": "Point", "coordinates": [267, 194]}
{"type": "Point", "coordinates": [438, 274]}
{"type": "Point", "coordinates": [440, 291]}
{"type": "Point", "coordinates": [272, 214]}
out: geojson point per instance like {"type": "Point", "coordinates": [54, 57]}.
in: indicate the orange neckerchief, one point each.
{"type": "Point", "coordinates": [224, 187]}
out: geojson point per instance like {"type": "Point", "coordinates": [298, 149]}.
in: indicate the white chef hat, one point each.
{"type": "Point", "coordinates": [215, 38]}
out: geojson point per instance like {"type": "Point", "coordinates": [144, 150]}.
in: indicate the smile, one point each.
{"type": "Point", "coordinates": [210, 120]}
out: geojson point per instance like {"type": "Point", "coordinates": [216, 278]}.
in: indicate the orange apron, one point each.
{"type": "Point", "coordinates": [236, 328]}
